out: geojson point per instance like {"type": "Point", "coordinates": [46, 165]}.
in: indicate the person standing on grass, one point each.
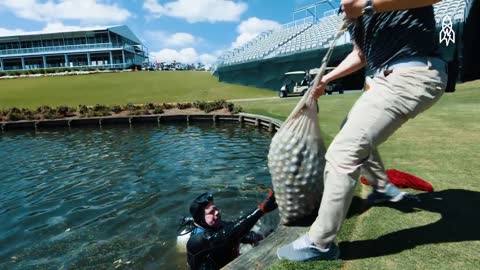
{"type": "Point", "coordinates": [396, 40]}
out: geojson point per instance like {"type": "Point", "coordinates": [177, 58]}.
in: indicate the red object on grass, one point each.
{"type": "Point", "coordinates": [404, 180]}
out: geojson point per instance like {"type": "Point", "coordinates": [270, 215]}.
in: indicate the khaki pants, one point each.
{"type": "Point", "coordinates": [376, 115]}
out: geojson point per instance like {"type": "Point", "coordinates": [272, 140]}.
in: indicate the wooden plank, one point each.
{"type": "Point", "coordinates": [265, 254]}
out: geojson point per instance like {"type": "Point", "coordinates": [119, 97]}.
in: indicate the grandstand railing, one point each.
{"type": "Point", "coordinates": [307, 20]}
{"type": "Point", "coordinates": [330, 12]}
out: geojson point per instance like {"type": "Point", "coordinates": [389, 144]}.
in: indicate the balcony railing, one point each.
{"type": "Point", "coordinates": [40, 50]}
{"type": "Point", "coordinates": [60, 68]}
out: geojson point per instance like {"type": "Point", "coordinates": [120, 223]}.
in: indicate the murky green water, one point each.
{"type": "Point", "coordinates": [111, 198]}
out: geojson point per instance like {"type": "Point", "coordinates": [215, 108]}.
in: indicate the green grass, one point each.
{"type": "Point", "coordinates": [442, 146]}
{"type": "Point", "coordinates": [121, 88]}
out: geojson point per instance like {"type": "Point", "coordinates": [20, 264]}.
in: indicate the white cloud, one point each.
{"type": "Point", "coordinates": [49, 28]}
{"type": "Point", "coordinates": [250, 28]}
{"type": "Point", "coordinates": [59, 27]}
{"type": "Point", "coordinates": [177, 40]}
{"type": "Point", "coordinates": [86, 11]}
{"type": "Point", "coordinates": [180, 39]}
{"type": "Point", "coordinates": [186, 56]}
{"type": "Point", "coordinates": [198, 10]}
{"type": "Point", "coordinates": [10, 32]}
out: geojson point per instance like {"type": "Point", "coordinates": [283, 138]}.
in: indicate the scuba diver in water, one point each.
{"type": "Point", "coordinates": [213, 243]}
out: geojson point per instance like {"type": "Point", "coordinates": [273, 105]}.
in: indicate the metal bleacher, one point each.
{"type": "Point", "coordinates": [455, 9]}
{"type": "Point", "coordinates": [307, 35]}
{"type": "Point", "coordinates": [290, 39]}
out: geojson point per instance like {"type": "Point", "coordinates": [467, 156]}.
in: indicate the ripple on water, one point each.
{"type": "Point", "coordinates": [90, 197]}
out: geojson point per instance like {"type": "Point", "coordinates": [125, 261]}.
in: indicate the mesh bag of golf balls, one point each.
{"type": "Point", "coordinates": [296, 162]}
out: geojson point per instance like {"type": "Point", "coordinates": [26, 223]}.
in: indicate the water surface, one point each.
{"type": "Point", "coordinates": [106, 198]}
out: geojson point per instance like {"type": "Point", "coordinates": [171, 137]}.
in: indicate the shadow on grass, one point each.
{"type": "Point", "coordinates": [460, 222]}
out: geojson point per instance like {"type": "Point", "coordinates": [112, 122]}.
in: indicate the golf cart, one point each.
{"type": "Point", "coordinates": [298, 82]}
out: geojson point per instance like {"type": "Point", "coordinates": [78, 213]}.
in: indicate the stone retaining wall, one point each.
{"type": "Point", "coordinates": [257, 120]}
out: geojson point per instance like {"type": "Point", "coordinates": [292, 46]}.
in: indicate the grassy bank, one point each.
{"type": "Point", "coordinates": [121, 88]}
{"type": "Point", "coordinates": [442, 146]}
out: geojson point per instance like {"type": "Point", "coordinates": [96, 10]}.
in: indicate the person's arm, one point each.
{"type": "Point", "coordinates": [252, 238]}
{"type": "Point", "coordinates": [241, 227]}
{"type": "Point", "coordinates": [353, 62]}
{"type": "Point", "coordinates": [354, 8]}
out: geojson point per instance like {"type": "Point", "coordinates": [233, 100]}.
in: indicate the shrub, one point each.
{"type": "Point", "coordinates": [199, 104]}
{"type": "Point", "coordinates": [237, 109]}
{"type": "Point", "coordinates": [50, 115]}
{"type": "Point", "coordinates": [15, 116]}
{"type": "Point", "coordinates": [64, 110]}
{"type": "Point", "coordinates": [149, 106]}
{"type": "Point", "coordinates": [158, 110]}
{"type": "Point", "coordinates": [229, 106]}
{"type": "Point", "coordinates": [131, 107]}
{"type": "Point", "coordinates": [44, 109]}
{"type": "Point", "coordinates": [14, 110]}
{"type": "Point", "coordinates": [139, 112]}
{"type": "Point", "coordinates": [98, 113]}
{"type": "Point", "coordinates": [3, 74]}
{"type": "Point", "coordinates": [28, 114]}
{"type": "Point", "coordinates": [168, 106]}
{"type": "Point", "coordinates": [117, 108]}
{"type": "Point", "coordinates": [183, 106]}
{"type": "Point", "coordinates": [82, 109]}
{"type": "Point", "coordinates": [98, 108]}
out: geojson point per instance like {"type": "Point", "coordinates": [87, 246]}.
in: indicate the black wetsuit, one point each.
{"type": "Point", "coordinates": [213, 249]}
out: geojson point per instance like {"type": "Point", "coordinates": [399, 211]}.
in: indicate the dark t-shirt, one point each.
{"type": "Point", "coordinates": [387, 36]}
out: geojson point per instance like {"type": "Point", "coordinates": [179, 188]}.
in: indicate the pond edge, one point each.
{"type": "Point", "coordinates": [259, 121]}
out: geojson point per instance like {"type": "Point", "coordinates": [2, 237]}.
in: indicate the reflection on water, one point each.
{"type": "Point", "coordinates": [112, 197]}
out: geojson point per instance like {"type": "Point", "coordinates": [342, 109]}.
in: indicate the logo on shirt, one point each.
{"type": "Point", "coordinates": [447, 34]}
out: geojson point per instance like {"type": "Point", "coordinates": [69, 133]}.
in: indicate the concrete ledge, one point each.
{"type": "Point", "coordinates": [18, 125]}
{"type": "Point", "coordinates": [265, 254]}
{"type": "Point", "coordinates": [251, 119]}
{"type": "Point", "coordinates": [84, 122]}
{"type": "Point", "coordinates": [115, 120]}
{"type": "Point", "coordinates": [52, 123]}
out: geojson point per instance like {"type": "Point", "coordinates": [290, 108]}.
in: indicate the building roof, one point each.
{"type": "Point", "coordinates": [122, 30]}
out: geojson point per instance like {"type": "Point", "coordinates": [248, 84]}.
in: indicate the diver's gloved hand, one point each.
{"type": "Point", "coordinates": [269, 203]}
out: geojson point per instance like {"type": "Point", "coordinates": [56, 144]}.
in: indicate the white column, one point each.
{"type": "Point", "coordinates": [111, 59]}
{"type": "Point", "coordinates": [2, 68]}
{"type": "Point", "coordinates": [44, 58]}
{"type": "Point", "coordinates": [123, 58]}
{"type": "Point", "coordinates": [66, 60]}
{"type": "Point", "coordinates": [23, 63]}
{"type": "Point", "coordinates": [89, 61]}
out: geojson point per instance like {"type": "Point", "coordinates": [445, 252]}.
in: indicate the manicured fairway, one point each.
{"type": "Point", "coordinates": [121, 88]}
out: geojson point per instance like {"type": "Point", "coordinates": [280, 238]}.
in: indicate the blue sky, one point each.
{"type": "Point", "coordinates": [187, 31]}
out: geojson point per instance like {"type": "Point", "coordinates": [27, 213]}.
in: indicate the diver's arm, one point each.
{"type": "Point", "coordinates": [238, 229]}
{"type": "Point", "coordinates": [252, 238]}
{"type": "Point", "coordinates": [235, 230]}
